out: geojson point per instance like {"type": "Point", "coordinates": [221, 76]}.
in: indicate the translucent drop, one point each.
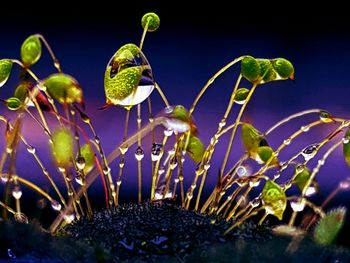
{"type": "Point", "coordinates": [4, 178]}
{"type": "Point", "coordinates": [97, 139]}
{"type": "Point", "coordinates": [300, 168]}
{"type": "Point", "coordinates": [229, 197]}
{"type": "Point", "coordinates": [199, 170]}
{"type": "Point", "coordinates": [213, 141]}
{"type": "Point", "coordinates": [176, 180]}
{"type": "Point", "coordinates": [56, 205]}
{"type": "Point", "coordinates": [8, 150]}
{"type": "Point", "coordinates": [123, 149]}
{"type": "Point", "coordinates": [254, 183]}
{"type": "Point", "coordinates": [121, 164]}
{"type": "Point", "coordinates": [346, 140]}
{"type": "Point", "coordinates": [242, 171]}
{"type": "Point", "coordinates": [241, 183]}
{"type": "Point", "coordinates": [276, 176]}
{"type": "Point", "coordinates": [240, 102]}
{"type": "Point", "coordinates": [138, 120]}
{"type": "Point", "coordinates": [222, 193]}
{"type": "Point", "coordinates": [158, 196]}
{"type": "Point", "coordinates": [344, 185]}
{"type": "Point", "coordinates": [242, 200]}
{"type": "Point", "coordinates": [309, 152]}
{"type": "Point", "coordinates": [139, 153]}
{"type": "Point", "coordinates": [79, 180]}
{"type": "Point", "coordinates": [31, 149]}
{"type": "Point", "coordinates": [61, 169]}
{"type": "Point", "coordinates": [255, 202]}
{"type": "Point", "coordinates": [284, 166]}
{"type": "Point", "coordinates": [206, 166]}
{"type": "Point", "coordinates": [286, 142]}
{"type": "Point", "coordinates": [70, 193]}
{"type": "Point", "coordinates": [11, 254]}
{"type": "Point", "coordinates": [173, 163]}
{"type": "Point", "coordinates": [80, 162]}
{"type": "Point", "coordinates": [161, 170]}
{"type": "Point", "coordinates": [304, 128]}
{"type": "Point", "coordinates": [69, 218]}
{"type": "Point", "coordinates": [17, 192]}
{"type": "Point", "coordinates": [325, 116]}
{"type": "Point", "coordinates": [321, 162]}
{"type": "Point", "coordinates": [222, 123]}
{"type": "Point", "coordinates": [311, 190]}
{"type": "Point", "coordinates": [168, 195]}
{"type": "Point", "coordinates": [150, 119]}
{"type": "Point", "coordinates": [155, 151]}
{"type": "Point", "coordinates": [106, 170]}
{"type": "Point", "coordinates": [171, 152]}
{"type": "Point", "coordinates": [168, 132]}
{"type": "Point", "coordinates": [119, 182]}
{"type": "Point", "coordinates": [193, 186]}
{"type": "Point", "coordinates": [297, 206]}
{"type": "Point", "coordinates": [182, 159]}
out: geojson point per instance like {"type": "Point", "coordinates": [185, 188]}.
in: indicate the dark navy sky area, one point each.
{"type": "Point", "coordinates": [191, 44]}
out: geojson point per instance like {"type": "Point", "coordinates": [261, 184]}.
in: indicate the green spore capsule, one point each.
{"type": "Point", "coordinates": [250, 69]}
{"type": "Point", "coordinates": [31, 50]}
{"type": "Point", "coordinates": [274, 199]}
{"type": "Point", "coordinates": [265, 153]}
{"type": "Point", "coordinates": [283, 67]}
{"type": "Point", "coordinates": [64, 88]}
{"type": "Point", "coordinates": [346, 147]}
{"type": "Point", "coordinates": [178, 119]}
{"type": "Point", "coordinates": [302, 176]}
{"type": "Point", "coordinates": [13, 103]}
{"type": "Point", "coordinates": [195, 148]}
{"type": "Point", "coordinates": [251, 138]}
{"type": "Point", "coordinates": [62, 147]}
{"type": "Point", "coordinates": [21, 92]}
{"type": "Point", "coordinates": [88, 154]}
{"type": "Point", "coordinates": [153, 21]}
{"type": "Point", "coordinates": [329, 226]}
{"type": "Point", "coordinates": [241, 95]}
{"type": "Point", "coordinates": [267, 72]}
{"type": "Point", "coordinates": [5, 70]}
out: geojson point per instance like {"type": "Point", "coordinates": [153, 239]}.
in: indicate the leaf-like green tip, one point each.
{"type": "Point", "coordinates": [64, 88]}
{"type": "Point", "coordinates": [89, 157]}
{"type": "Point", "coordinates": [13, 103]}
{"type": "Point", "coordinates": [180, 113]}
{"type": "Point", "coordinates": [241, 95]}
{"type": "Point", "coordinates": [122, 84]}
{"type": "Point", "coordinates": [283, 67]}
{"type": "Point", "coordinates": [274, 199]}
{"type": "Point", "coordinates": [62, 147]}
{"type": "Point", "coordinates": [31, 50]}
{"type": "Point", "coordinates": [265, 153]}
{"type": "Point", "coordinates": [21, 92]}
{"type": "Point", "coordinates": [250, 69]}
{"type": "Point", "coordinates": [302, 175]}
{"type": "Point", "coordinates": [5, 70]}
{"type": "Point", "coordinates": [153, 21]}
{"type": "Point", "coordinates": [250, 138]}
{"type": "Point", "coordinates": [329, 226]}
{"type": "Point", "coordinates": [346, 148]}
{"type": "Point", "coordinates": [195, 148]}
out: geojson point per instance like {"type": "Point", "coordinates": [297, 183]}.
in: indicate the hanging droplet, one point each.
{"type": "Point", "coordinates": [11, 254]}
{"type": "Point", "coordinates": [242, 171]}
{"type": "Point", "coordinates": [4, 178]}
{"type": "Point", "coordinates": [155, 151]}
{"type": "Point", "coordinates": [119, 182]}
{"type": "Point", "coordinates": [31, 149]}
{"type": "Point", "coordinates": [79, 180]}
{"type": "Point", "coordinates": [311, 190]}
{"type": "Point", "coordinates": [106, 170]}
{"type": "Point", "coordinates": [56, 205]}
{"type": "Point", "coordinates": [286, 142]}
{"type": "Point", "coordinates": [193, 186]}
{"type": "Point", "coordinates": [222, 123]}
{"type": "Point", "coordinates": [80, 162]}
{"type": "Point", "coordinates": [242, 200]}
{"type": "Point", "coordinates": [310, 151]}
{"type": "Point", "coordinates": [299, 168]}
{"type": "Point", "coordinates": [61, 169]}
{"type": "Point", "coordinates": [17, 192]}
{"type": "Point", "coordinates": [346, 140]}
{"type": "Point", "coordinates": [176, 180]}
{"type": "Point", "coordinates": [189, 196]}
{"type": "Point", "coordinates": [255, 202]}
{"type": "Point", "coordinates": [199, 170]}
{"type": "Point", "coordinates": [241, 183]}
{"type": "Point", "coordinates": [321, 162]}
{"type": "Point", "coordinates": [171, 152]}
{"type": "Point", "coordinates": [345, 185]}
{"type": "Point", "coordinates": [97, 139]}
{"type": "Point", "coordinates": [206, 166]}
{"type": "Point", "coordinates": [254, 183]}
{"type": "Point", "coordinates": [161, 170]}
{"type": "Point", "coordinates": [298, 205]}
{"type": "Point", "coordinates": [121, 164]}
{"type": "Point", "coordinates": [173, 163]}
{"type": "Point", "coordinates": [168, 195]}
{"type": "Point", "coordinates": [158, 196]}
{"type": "Point", "coordinates": [139, 154]}
{"type": "Point", "coordinates": [9, 150]}
{"type": "Point", "coordinates": [168, 132]}
{"type": "Point", "coordinates": [150, 119]}
{"type": "Point", "coordinates": [69, 218]}
{"type": "Point", "coordinates": [304, 128]}
{"type": "Point", "coordinates": [325, 116]}
{"type": "Point", "coordinates": [182, 159]}
{"type": "Point", "coordinates": [123, 148]}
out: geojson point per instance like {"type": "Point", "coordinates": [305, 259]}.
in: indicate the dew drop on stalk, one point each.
{"type": "Point", "coordinates": [106, 170]}
{"type": "Point", "coordinates": [155, 151]}
{"type": "Point", "coordinates": [325, 116]}
{"type": "Point", "coordinates": [119, 182]}
{"type": "Point", "coordinates": [242, 171]}
{"type": "Point", "coordinates": [183, 159]}
{"type": "Point", "coordinates": [193, 186]}
{"type": "Point", "coordinates": [139, 153]}
{"type": "Point", "coordinates": [321, 162]}
{"type": "Point", "coordinates": [11, 254]}
{"type": "Point", "coordinates": [168, 132]}
{"type": "Point", "coordinates": [61, 169]}
{"type": "Point", "coordinates": [97, 140]}
{"type": "Point", "coordinates": [298, 205]}
{"type": "Point", "coordinates": [17, 192]}
{"type": "Point", "coordinates": [311, 190]}
{"type": "Point", "coordinates": [79, 180]}
{"type": "Point", "coordinates": [304, 128]}
{"type": "Point", "coordinates": [176, 180]}
{"type": "Point", "coordinates": [300, 168]}
{"type": "Point", "coordinates": [69, 218]}
{"type": "Point", "coordinates": [121, 164]}
{"type": "Point", "coordinates": [168, 195]}
{"type": "Point", "coordinates": [222, 123]}
{"type": "Point", "coordinates": [4, 178]}
{"type": "Point", "coordinates": [286, 142]}
{"type": "Point", "coordinates": [309, 152]}
{"type": "Point", "coordinates": [123, 148]}
{"type": "Point", "coordinates": [254, 183]}
{"type": "Point", "coordinates": [255, 202]}
{"type": "Point", "coordinates": [173, 163]}
{"type": "Point", "coordinates": [161, 170]}
{"type": "Point", "coordinates": [346, 140]}
{"type": "Point", "coordinates": [9, 150]}
{"type": "Point", "coordinates": [56, 205]}
{"type": "Point", "coordinates": [31, 149]}
{"type": "Point", "coordinates": [189, 196]}
{"type": "Point", "coordinates": [80, 162]}
{"type": "Point", "coordinates": [158, 196]}
{"type": "Point", "coordinates": [171, 152]}
{"type": "Point", "coordinates": [345, 185]}
{"type": "Point", "coordinates": [206, 166]}
{"type": "Point", "coordinates": [241, 183]}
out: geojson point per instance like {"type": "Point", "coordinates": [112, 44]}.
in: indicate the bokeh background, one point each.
{"type": "Point", "coordinates": [192, 43]}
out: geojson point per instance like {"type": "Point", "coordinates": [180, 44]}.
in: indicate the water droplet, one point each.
{"type": "Point", "coordinates": [284, 166]}
{"type": "Point", "coordinates": [4, 178]}
{"type": "Point", "coordinates": [299, 168]}
{"type": "Point", "coordinates": [207, 166]}
{"type": "Point", "coordinates": [56, 205]}
{"type": "Point", "coordinates": [168, 132]}
{"type": "Point", "coordinates": [168, 109]}
{"type": "Point", "coordinates": [168, 195]}
{"type": "Point", "coordinates": [11, 254]}
{"type": "Point", "coordinates": [286, 142]}
{"type": "Point", "coordinates": [61, 169]}
{"type": "Point", "coordinates": [9, 150]}
{"type": "Point", "coordinates": [311, 190]}
{"type": "Point", "coordinates": [199, 170]}
{"type": "Point", "coordinates": [155, 151]}
{"type": "Point", "coordinates": [171, 152]}
{"type": "Point", "coordinates": [121, 164]}
{"type": "Point", "coordinates": [304, 128]}
{"type": "Point", "coordinates": [17, 192]}
{"type": "Point", "coordinates": [123, 148]}
{"type": "Point", "coordinates": [161, 170]}
{"type": "Point", "coordinates": [242, 200]}
{"type": "Point", "coordinates": [242, 171]}
{"type": "Point", "coordinates": [255, 202]}
{"type": "Point", "coordinates": [222, 123]}
{"type": "Point", "coordinates": [310, 151]}
{"type": "Point", "coordinates": [346, 140]}
{"type": "Point", "coordinates": [193, 186]}
{"type": "Point", "coordinates": [150, 119]}
{"type": "Point", "coordinates": [189, 196]}
{"type": "Point", "coordinates": [139, 154]}
{"type": "Point", "coordinates": [119, 182]}
{"type": "Point", "coordinates": [31, 149]}
{"type": "Point", "coordinates": [70, 193]}
{"type": "Point", "coordinates": [158, 196]}
{"type": "Point", "coordinates": [173, 163]}
{"type": "Point", "coordinates": [182, 159]}
{"type": "Point", "coordinates": [241, 183]}
{"type": "Point", "coordinates": [254, 183]}
{"type": "Point", "coordinates": [345, 185]}
{"type": "Point", "coordinates": [325, 116]}
{"type": "Point", "coordinates": [80, 162]}
{"type": "Point", "coordinates": [321, 162]}
{"type": "Point", "coordinates": [79, 180]}
{"type": "Point", "coordinates": [69, 218]}
{"type": "Point", "coordinates": [213, 141]}
{"type": "Point", "coordinates": [276, 176]}
{"type": "Point", "coordinates": [97, 139]}
{"type": "Point", "coordinates": [138, 120]}
{"type": "Point", "coordinates": [176, 180]}
{"type": "Point", "coordinates": [298, 205]}
{"type": "Point", "coordinates": [106, 170]}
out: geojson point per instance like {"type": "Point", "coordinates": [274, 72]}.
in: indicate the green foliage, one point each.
{"type": "Point", "coordinates": [346, 147]}
{"type": "Point", "coordinates": [31, 50]}
{"type": "Point", "coordinates": [21, 92]}
{"type": "Point", "coordinates": [89, 157]}
{"type": "Point", "coordinates": [265, 153]}
{"type": "Point", "coordinates": [250, 69]}
{"type": "Point", "coordinates": [302, 176]}
{"type": "Point", "coordinates": [195, 148]}
{"type": "Point", "coordinates": [63, 88]}
{"type": "Point", "coordinates": [153, 21]}
{"type": "Point", "coordinates": [13, 103]}
{"type": "Point", "coordinates": [5, 70]}
{"type": "Point", "coordinates": [274, 199]}
{"type": "Point", "coordinates": [329, 226]}
{"type": "Point", "coordinates": [62, 147]}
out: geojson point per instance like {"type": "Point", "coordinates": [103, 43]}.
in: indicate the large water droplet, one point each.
{"type": "Point", "coordinates": [69, 218]}
{"type": "Point", "coordinates": [56, 205]}
{"type": "Point", "coordinates": [155, 151]}
{"type": "Point", "coordinates": [298, 205]}
{"type": "Point", "coordinates": [80, 162]}
{"type": "Point", "coordinates": [168, 132]}
{"type": "Point", "coordinates": [242, 171]}
{"type": "Point", "coordinates": [310, 151]}
{"type": "Point", "coordinates": [17, 192]}
{"type": "Point", "coordinates": [123, 148]}
{"type": "Point", "coordinates": [139, 154]}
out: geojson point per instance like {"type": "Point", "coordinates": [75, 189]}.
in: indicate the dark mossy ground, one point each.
{"type": "Point", "coordinates": [155, 233]}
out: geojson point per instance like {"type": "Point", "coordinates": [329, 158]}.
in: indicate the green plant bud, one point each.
{"type": "Point", "coordinates": [13, 103]}
{"type": "Point", "coordinates": [5, 70]}
{"type": "Point", "coordinates": [346, 147]}
{"type": "Point", "coordinates": [21, 92]}
{"type": "Point", "coordinates": [267, 72]}
{"type": "Point", "coordinates": [31, 50]}
{"type": "Point", "coordinates": [241, 95]}
{"type": "Point", "coordinates": [153, 21]}
{"type": "Point", "coordinates": [89, 157]}
{"type": "Point", "coordinates": [62, 147]}
{"type": "Point", "coordinates": [125, 55]}
{"type": "Point", "coordinates": [180, 113]}
{"type": "Point", "coordinates": [274, 199]}
{"type": "Point", "coordinates": [329, 226]}
{"type": "Point", "coordinates": [121, 85]}
{"type": "Point", "coordinates": [283, 67]}
{"type": "Point", "coordinates": [250, 69]}
{"type": "Point", "coordinates": [302, 175]}
{"type": "Point", "coordinates": [265, 153]}
{"type": "Point", "coordinates": [195, 148]}
{"type": "Point", "coordinates": [251, 138]}
{"type": "Point", "coordinates": [64, 88]}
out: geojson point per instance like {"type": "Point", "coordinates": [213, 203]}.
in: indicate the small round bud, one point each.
{"type": "Point", "coordinates": [31, 50]}
{"type": "Point", "coordinates": [153, 21]}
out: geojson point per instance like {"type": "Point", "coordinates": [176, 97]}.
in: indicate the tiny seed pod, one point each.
{"type": "Point", "coordinates": [5, 70]}
{"type": "Point", "coordinates": [267, 72]}
{"type": "Point", "coordinates": [64, 88]}
{"type": "Point", "coordinates": [302, 176]}
{"type": "Point", "coordinates": [283, 67]}
{"type": "Point", "coordinates": [265, 153]}
{"type": "Point", "coordinates": [251, 138]}
{"type": "Point", "coordinates": [62, 147]}
{"type": "Point", "coordinates": [13, 103]}
{"type": "Point", "coordinates": [346, 148]}
{"type": "Point", "coordinates": [89, 157]}
{"type": "Point", "coordinates": [153, 21]}
{"type": "Point", "coordinates": [250, 69]}
{"type": "Point", "coordinates": [195, 148]}
{"type": "Point", "coordinates": [21, 92]}
{"type": "Point", "coordinates": [241, 95]}
{"type": "Point", "coordinates": [274, 199]}
{"type": "Point", "coordinates": [31, 50]}
{"type": "Point", "coordinates": [178, 119]}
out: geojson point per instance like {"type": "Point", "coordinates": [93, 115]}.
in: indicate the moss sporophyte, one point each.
{"type": "Point", "coordinates": [241, 192]}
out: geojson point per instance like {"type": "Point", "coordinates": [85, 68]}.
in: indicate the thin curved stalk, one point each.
{"type": "Point", "coordinates": [56, 63]}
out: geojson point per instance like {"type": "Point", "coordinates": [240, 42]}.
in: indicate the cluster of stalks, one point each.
{"type": "Point", "coordinates": [80, 158]}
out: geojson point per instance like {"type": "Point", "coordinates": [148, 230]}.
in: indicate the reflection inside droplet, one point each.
{"type": "Point", "coordinates": [310, 151]}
